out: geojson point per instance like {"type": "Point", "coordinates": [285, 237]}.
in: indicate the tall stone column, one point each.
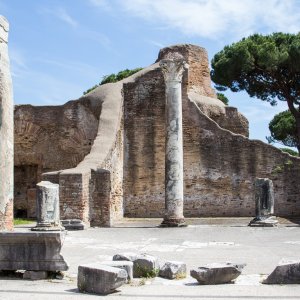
{"type": "Point", "coordinates": [6, 133]}
{"type": "Point", "coordinates": [173, 69]}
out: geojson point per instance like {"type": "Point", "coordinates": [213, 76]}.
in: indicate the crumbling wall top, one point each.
{"type": "Point", "coordinates": [198, 74]}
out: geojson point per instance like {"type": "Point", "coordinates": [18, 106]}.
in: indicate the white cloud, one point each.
{"type": "Point", "coordinates": [61, 14]}
{"type": "Point", "coordinates": [64, 16]}
{"type": "Point", "coordinates": [214, 18]}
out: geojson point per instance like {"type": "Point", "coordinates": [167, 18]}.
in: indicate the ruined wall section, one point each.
{"type": "Point", "coordinates": [6, 132]}
{"type": "Point", "coordinates": [93, 190]}
{"type": "Point", "coordinates": [227, 117]}
{"type": "Point", "coordinates": [50, 138]}
{"type": "Point", "coordinates": [144, 146]}
{"type": "Point", "coordinates": [221, 167]}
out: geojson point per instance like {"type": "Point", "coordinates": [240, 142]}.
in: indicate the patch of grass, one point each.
{"type": "Point", "coordinates": [146, 272]}
{"type": "Point", "coordinates": [180, 276]}
{"type": "Point", "coordinates": [20, 221]}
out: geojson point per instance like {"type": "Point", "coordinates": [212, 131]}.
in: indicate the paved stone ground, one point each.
{"type": "Point", "coordinates": [203, 241]}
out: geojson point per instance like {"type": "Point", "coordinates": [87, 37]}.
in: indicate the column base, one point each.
{"type": "Point", "coordinates": [48, 227]}
{"type": "Point", "coordinates": [173, 223]}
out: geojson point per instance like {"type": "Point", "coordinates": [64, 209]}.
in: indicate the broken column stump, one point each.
{"type": "Point", "coordinates": [264, 203]}
{"type": "Point", "coordinates": [47, 203]}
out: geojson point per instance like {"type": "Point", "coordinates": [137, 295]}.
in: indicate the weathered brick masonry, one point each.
{"type": "Point", "coordinates": [50, 138]}
{"type": "Point", "coordinates": [123, 174]}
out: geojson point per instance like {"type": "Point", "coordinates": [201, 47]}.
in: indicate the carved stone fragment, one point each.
{"type": "Point", "coordinates": [100, 279]}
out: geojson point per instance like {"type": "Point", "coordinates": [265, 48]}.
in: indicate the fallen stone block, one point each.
{"type": "Point", "coordinates": [73, 224]}
{"type": "Point", "coordinates": [35, 275]}
{"type": "Point", "coordinates": [217, 273]}
{"type": "Point", "coordinates": [36, 251]}
{"type": "Point", "coordinates": [144, 265]}
{"type": "Point", "coordinates": [122, 264]}
{"type": "Point", "coordinates": [287, 272]}
{"type": "Point", "coordinates": [100, 279]}
{"type": "Point", "coordinates": [129, 256]}
{"type": "Point", "coordinates": [173, 269]}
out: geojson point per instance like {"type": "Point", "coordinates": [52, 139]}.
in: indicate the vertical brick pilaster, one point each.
{"type": "Point", "coordinates": [74, 195]}
{"type": "Point", "coordinates": [100, 210]}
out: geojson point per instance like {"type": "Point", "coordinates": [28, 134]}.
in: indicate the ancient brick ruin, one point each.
{"type": "Point", "coordinates": [106, 150]}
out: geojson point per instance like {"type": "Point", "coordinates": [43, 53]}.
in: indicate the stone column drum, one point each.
{"type": "Point", "coordinates": [6, 133]}
{"type": "Point", "coordinates": [47, 203]}
{"type": "Point", "coordinates": [173, 69]}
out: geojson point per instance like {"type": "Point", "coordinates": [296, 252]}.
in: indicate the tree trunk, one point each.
{"type": "Point", "coordinates": [298, 132]}
{"type": "Point", "coordinates": [296, 113]}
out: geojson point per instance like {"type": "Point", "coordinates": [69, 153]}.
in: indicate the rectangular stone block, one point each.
{"type": "Point", "coordinates": [36, 251]}
{"type": "Point", "coordinates": [122, 264]}
{"type": "Point", "coordinates": [100, 279]}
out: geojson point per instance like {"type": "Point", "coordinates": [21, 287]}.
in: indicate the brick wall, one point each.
{"type": "Point", "coordinates": [144, 146]}
{"type": "Point", "coordinates": [74, 193]}
{"type": "Point", "coordinates": [219, 166]}
{"type": "Point", "coordinates": [51, 138]}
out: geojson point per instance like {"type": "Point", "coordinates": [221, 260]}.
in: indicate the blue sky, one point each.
{"type": "Point", "coordinates": [60, 48]}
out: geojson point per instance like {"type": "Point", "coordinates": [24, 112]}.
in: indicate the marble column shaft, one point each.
{"type": "Point", "coordinates": [173, 70]}
{"type": "Point", "coordinates": [6, 132]}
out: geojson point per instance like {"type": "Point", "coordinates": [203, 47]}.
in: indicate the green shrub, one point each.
{"type": "Point", "coordinates": [114, 78]}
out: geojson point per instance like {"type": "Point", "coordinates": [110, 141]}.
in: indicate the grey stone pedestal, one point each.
{"type": "Point", "coordinates": [33, 251]}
